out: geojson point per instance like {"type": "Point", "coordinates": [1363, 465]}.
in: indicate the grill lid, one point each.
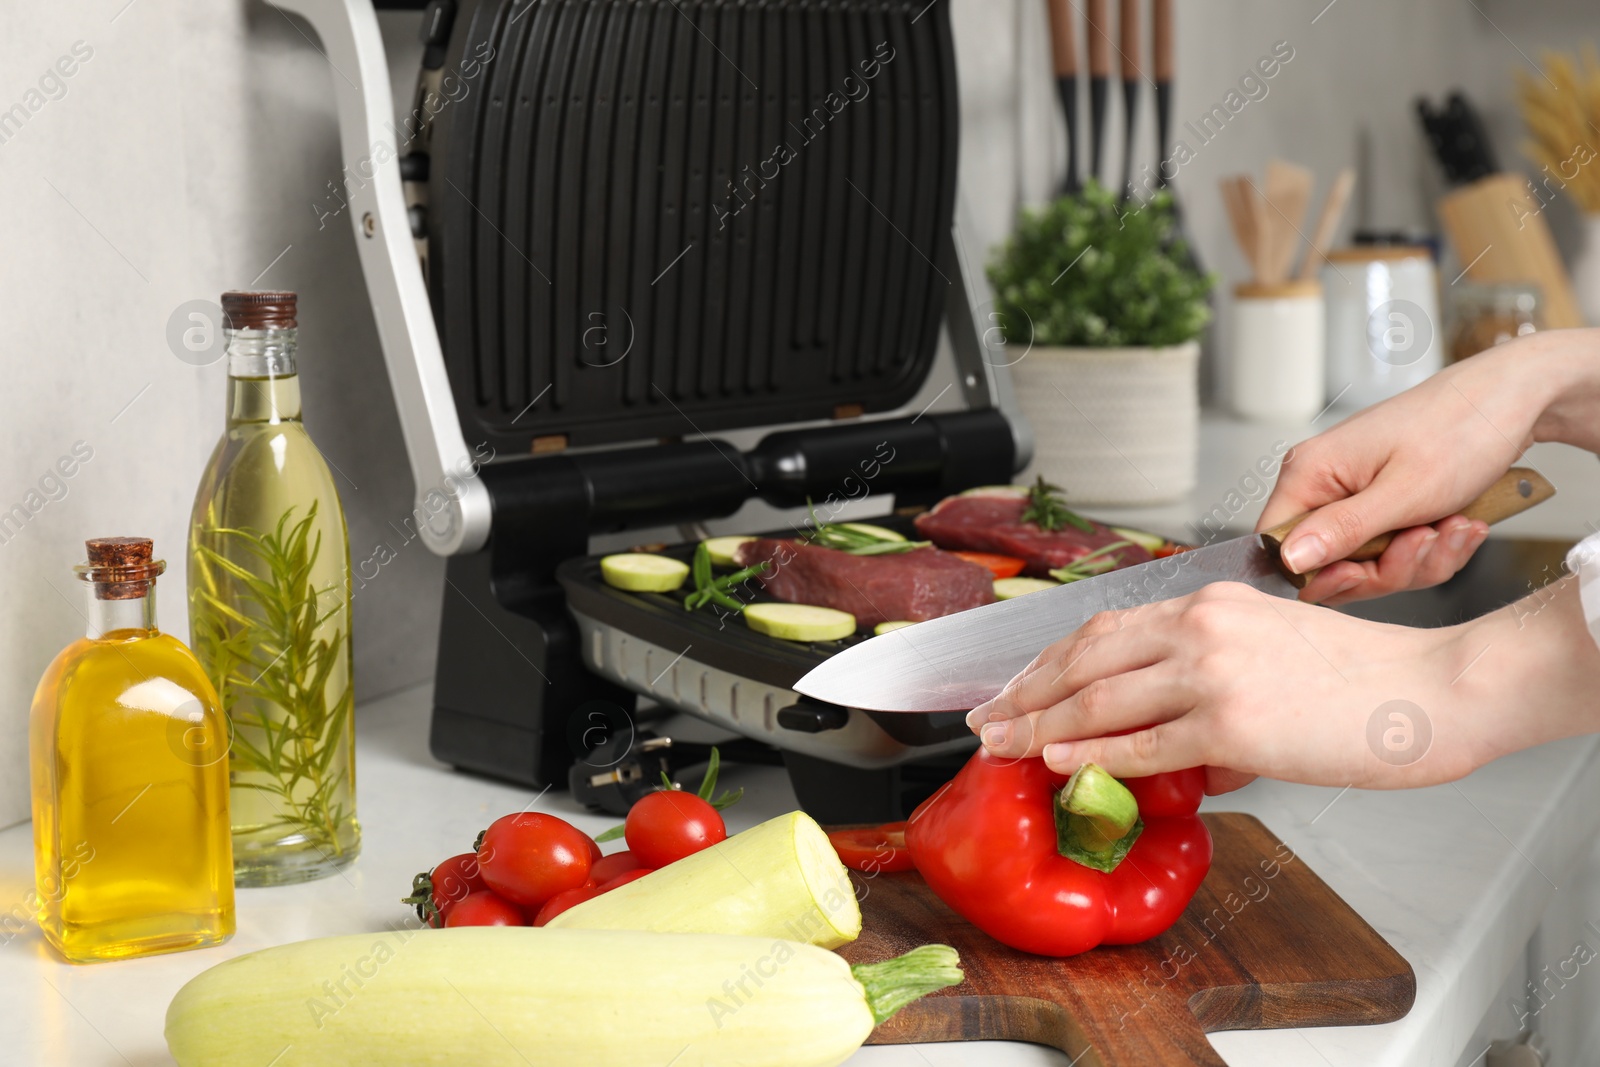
{"type": "Point", "coordinates": [656, 218]}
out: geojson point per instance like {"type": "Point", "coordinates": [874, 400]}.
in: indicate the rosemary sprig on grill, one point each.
{"type": "Point", "coordinates": [854, 540]}
{"type": "Point", "coordinates": [1047, 511]}
{"type": "Point", "coordinates": [1097, 562]}
{"type": "Point", "coordinates": [712, 590]}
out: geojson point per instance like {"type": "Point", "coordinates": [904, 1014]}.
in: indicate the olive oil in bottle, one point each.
{"type": "Point", "coordinates": [269, 610]}
{"type": "Point", "coordinates": [128, 752]}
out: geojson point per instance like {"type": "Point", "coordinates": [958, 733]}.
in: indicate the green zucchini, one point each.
{"type": "Point", "coordinates": [891, 626]}
{"type": "Point", "coordinates": [526, 997]}
{"type": "Point", "coordinates": [779, 879]}
{"type": "Point", "coordinates": [800, 622]}
{"type": "Point", "coordinates": [880, 532]}
{"type": "Point", "coordinates": [1006, 588]}
{"type": "Point", "coordinates": [722, 549]}
{"type": "Point", "coordinates": [643, 572]}
{"type": "Point", "coordinates": [1148, 541]}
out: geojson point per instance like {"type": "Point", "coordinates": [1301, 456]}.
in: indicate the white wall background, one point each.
{"type": "Point", "coordinates": [185, 154]}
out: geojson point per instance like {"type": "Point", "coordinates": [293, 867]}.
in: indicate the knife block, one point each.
{"type": "Point", "coordinates": [1498, 229]}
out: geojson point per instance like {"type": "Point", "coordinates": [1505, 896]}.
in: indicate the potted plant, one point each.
{"type": "Point", "coordinates": [1100, 306]}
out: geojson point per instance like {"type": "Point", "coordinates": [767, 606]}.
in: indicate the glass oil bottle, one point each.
{"type": "Point", "coordinates": [128, 753]}
{"type": "Point", "coordinates": [269, 610]}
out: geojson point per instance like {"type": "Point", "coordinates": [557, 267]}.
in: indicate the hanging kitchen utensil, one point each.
{"type": "Point", "coordinates": [1128, 30]}
{"type": "Point", "coordinates": [1064, 52]}
{"type": "Point", "coordinates": [1163, 54]}
{"type": "Point", "coordinates": [1099, 37]}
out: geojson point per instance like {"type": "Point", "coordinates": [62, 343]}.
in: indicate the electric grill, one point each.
{"type": "Point", "coordinates": [621, 227]}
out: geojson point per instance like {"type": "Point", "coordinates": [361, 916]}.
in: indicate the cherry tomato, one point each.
{"type": "Point", "coordinates": [873, 849]}
{"type": "Point", "coordinates": [670, 824]}
{"type": "Point", "coordinates": [485, 908]}
{"type": "Point", "coordinates": [559, 903]}
{"type": "Point", "coordinates": [454, 879]}
{"type": "Point", "coordinates": [999, 566]}
{"type": "Point", "coordinates": [626, 877]}
{"type": "Point", "coordinates": [595, 855]}
{"type": "Point", "coordinates": [608, 867]}
{"type": "Point", "coordinates": [529, 857]}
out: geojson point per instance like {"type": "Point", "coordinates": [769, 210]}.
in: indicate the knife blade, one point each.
{"type": "Point", "coordinates": [957, 662]}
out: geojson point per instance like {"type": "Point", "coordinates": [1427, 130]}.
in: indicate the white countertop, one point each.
{"type": "Point", "coordinates": [1455, 877]}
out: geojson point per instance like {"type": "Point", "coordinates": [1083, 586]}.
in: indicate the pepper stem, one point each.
{"type": "Point", "coordinates": [892, 984]}
{"type": "Point", "coordinates": [1097, 819]}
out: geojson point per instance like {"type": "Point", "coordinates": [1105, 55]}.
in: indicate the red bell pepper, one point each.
{"type": "Point", "coordinates": [989, 845]}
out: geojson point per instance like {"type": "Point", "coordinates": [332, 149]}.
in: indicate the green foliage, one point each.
{"type": "Point", "coordinates": [1091, 271]}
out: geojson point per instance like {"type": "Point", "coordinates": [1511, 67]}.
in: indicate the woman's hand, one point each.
{"type": "Point", "coordinates": [1247, 684]}
{"type": "Point", "coordinates": [1411, 462]}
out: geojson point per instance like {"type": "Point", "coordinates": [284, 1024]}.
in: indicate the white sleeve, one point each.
{"type": "Point", "coordinates": [1584, 561]}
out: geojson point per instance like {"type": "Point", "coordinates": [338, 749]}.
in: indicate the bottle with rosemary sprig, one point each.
{"type": "Point", "coordinates": [269, 611]}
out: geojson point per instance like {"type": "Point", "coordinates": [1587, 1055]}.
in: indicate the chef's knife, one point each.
{"type": "Point", "coordinates": [957, 662]}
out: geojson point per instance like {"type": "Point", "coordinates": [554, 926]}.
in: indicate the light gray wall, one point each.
{"type": "Point", "coordinates": [186, 153]}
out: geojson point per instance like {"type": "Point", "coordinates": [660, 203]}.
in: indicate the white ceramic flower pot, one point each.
{"type": "Point", "coordinates": [1113, 425]}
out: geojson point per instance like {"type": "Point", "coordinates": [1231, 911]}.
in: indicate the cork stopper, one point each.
{"type": "Point", "coordinates": [121, 568]}
{"type": "Point", "coordinates": [261, 310]}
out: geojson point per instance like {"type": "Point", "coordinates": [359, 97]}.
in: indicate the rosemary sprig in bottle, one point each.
{"type": "Point", "coordinates": [272, 671]}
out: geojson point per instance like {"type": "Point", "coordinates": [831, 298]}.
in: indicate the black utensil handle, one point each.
{"type": "Point", "coordinates": [1130, 108]}
{"type": "Point", "coordinates": [1163, 130]}
{"type": "Point", "coordinates": [1067, 89]}
{"type": "Point", "coordinates": [1098, 90]}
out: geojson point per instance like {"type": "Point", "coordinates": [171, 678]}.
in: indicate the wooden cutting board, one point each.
{"type": "Point", "coordinates": [1264, 944]}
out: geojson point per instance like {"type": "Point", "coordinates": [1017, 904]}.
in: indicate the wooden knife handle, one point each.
{"type": "Point", "coordinates": [1161, 41]}
{"type": "Point", "coordinates": [1517, 490]}
{"type": "Point", "coordinates": [1128, 30]}
{"type": "Point", "coordinates": [1099, 37]}
{"type": "Point", "coordinates": [1063, 44]}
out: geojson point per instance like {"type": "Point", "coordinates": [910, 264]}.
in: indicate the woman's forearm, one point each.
{"type": "Point", "coordinates": [1567, 362]}
{"type": "Point", "coordinates": [1530, 673]}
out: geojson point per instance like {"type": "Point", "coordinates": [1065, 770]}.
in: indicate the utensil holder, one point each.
{"type": "Point", "coordinates": [1278, 336]}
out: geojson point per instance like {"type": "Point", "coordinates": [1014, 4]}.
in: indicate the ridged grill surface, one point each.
{"type": "Point", "coordinates": [666, 218]}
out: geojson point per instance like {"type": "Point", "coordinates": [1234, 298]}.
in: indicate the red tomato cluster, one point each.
{"type": "Point", "coordinates": [530, 867]}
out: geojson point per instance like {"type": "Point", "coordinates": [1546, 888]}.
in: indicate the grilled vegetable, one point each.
{"type": "Point", "coordinates": [800, 622]}
{"type": "Point", "coordinates": [882, 533]}
{"type": "Point", "coordinates": [859, 538]}
{"type": "Point", "coordinates": [1151, 543]}
{"type": "Point", "coordinates": [779, 879]}
{"type": "Point", "coordinates": [722, 549]}
{"type": "Point", "coordinates": [1006, 588]}
{"type": "Point", "coordinates": [996, 564]}
{"type": "Point", "coordinates": [515, 997]}
{"type": "Point", "coordinates": [1105, 558]}
{"type": "Point", "coordinates": [892, 625]}
{"type": "Point", "coordinates": [641, 572]}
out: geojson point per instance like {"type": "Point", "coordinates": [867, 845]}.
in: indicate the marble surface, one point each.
{"type": "Point", "coordinates": [1455, 877]}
